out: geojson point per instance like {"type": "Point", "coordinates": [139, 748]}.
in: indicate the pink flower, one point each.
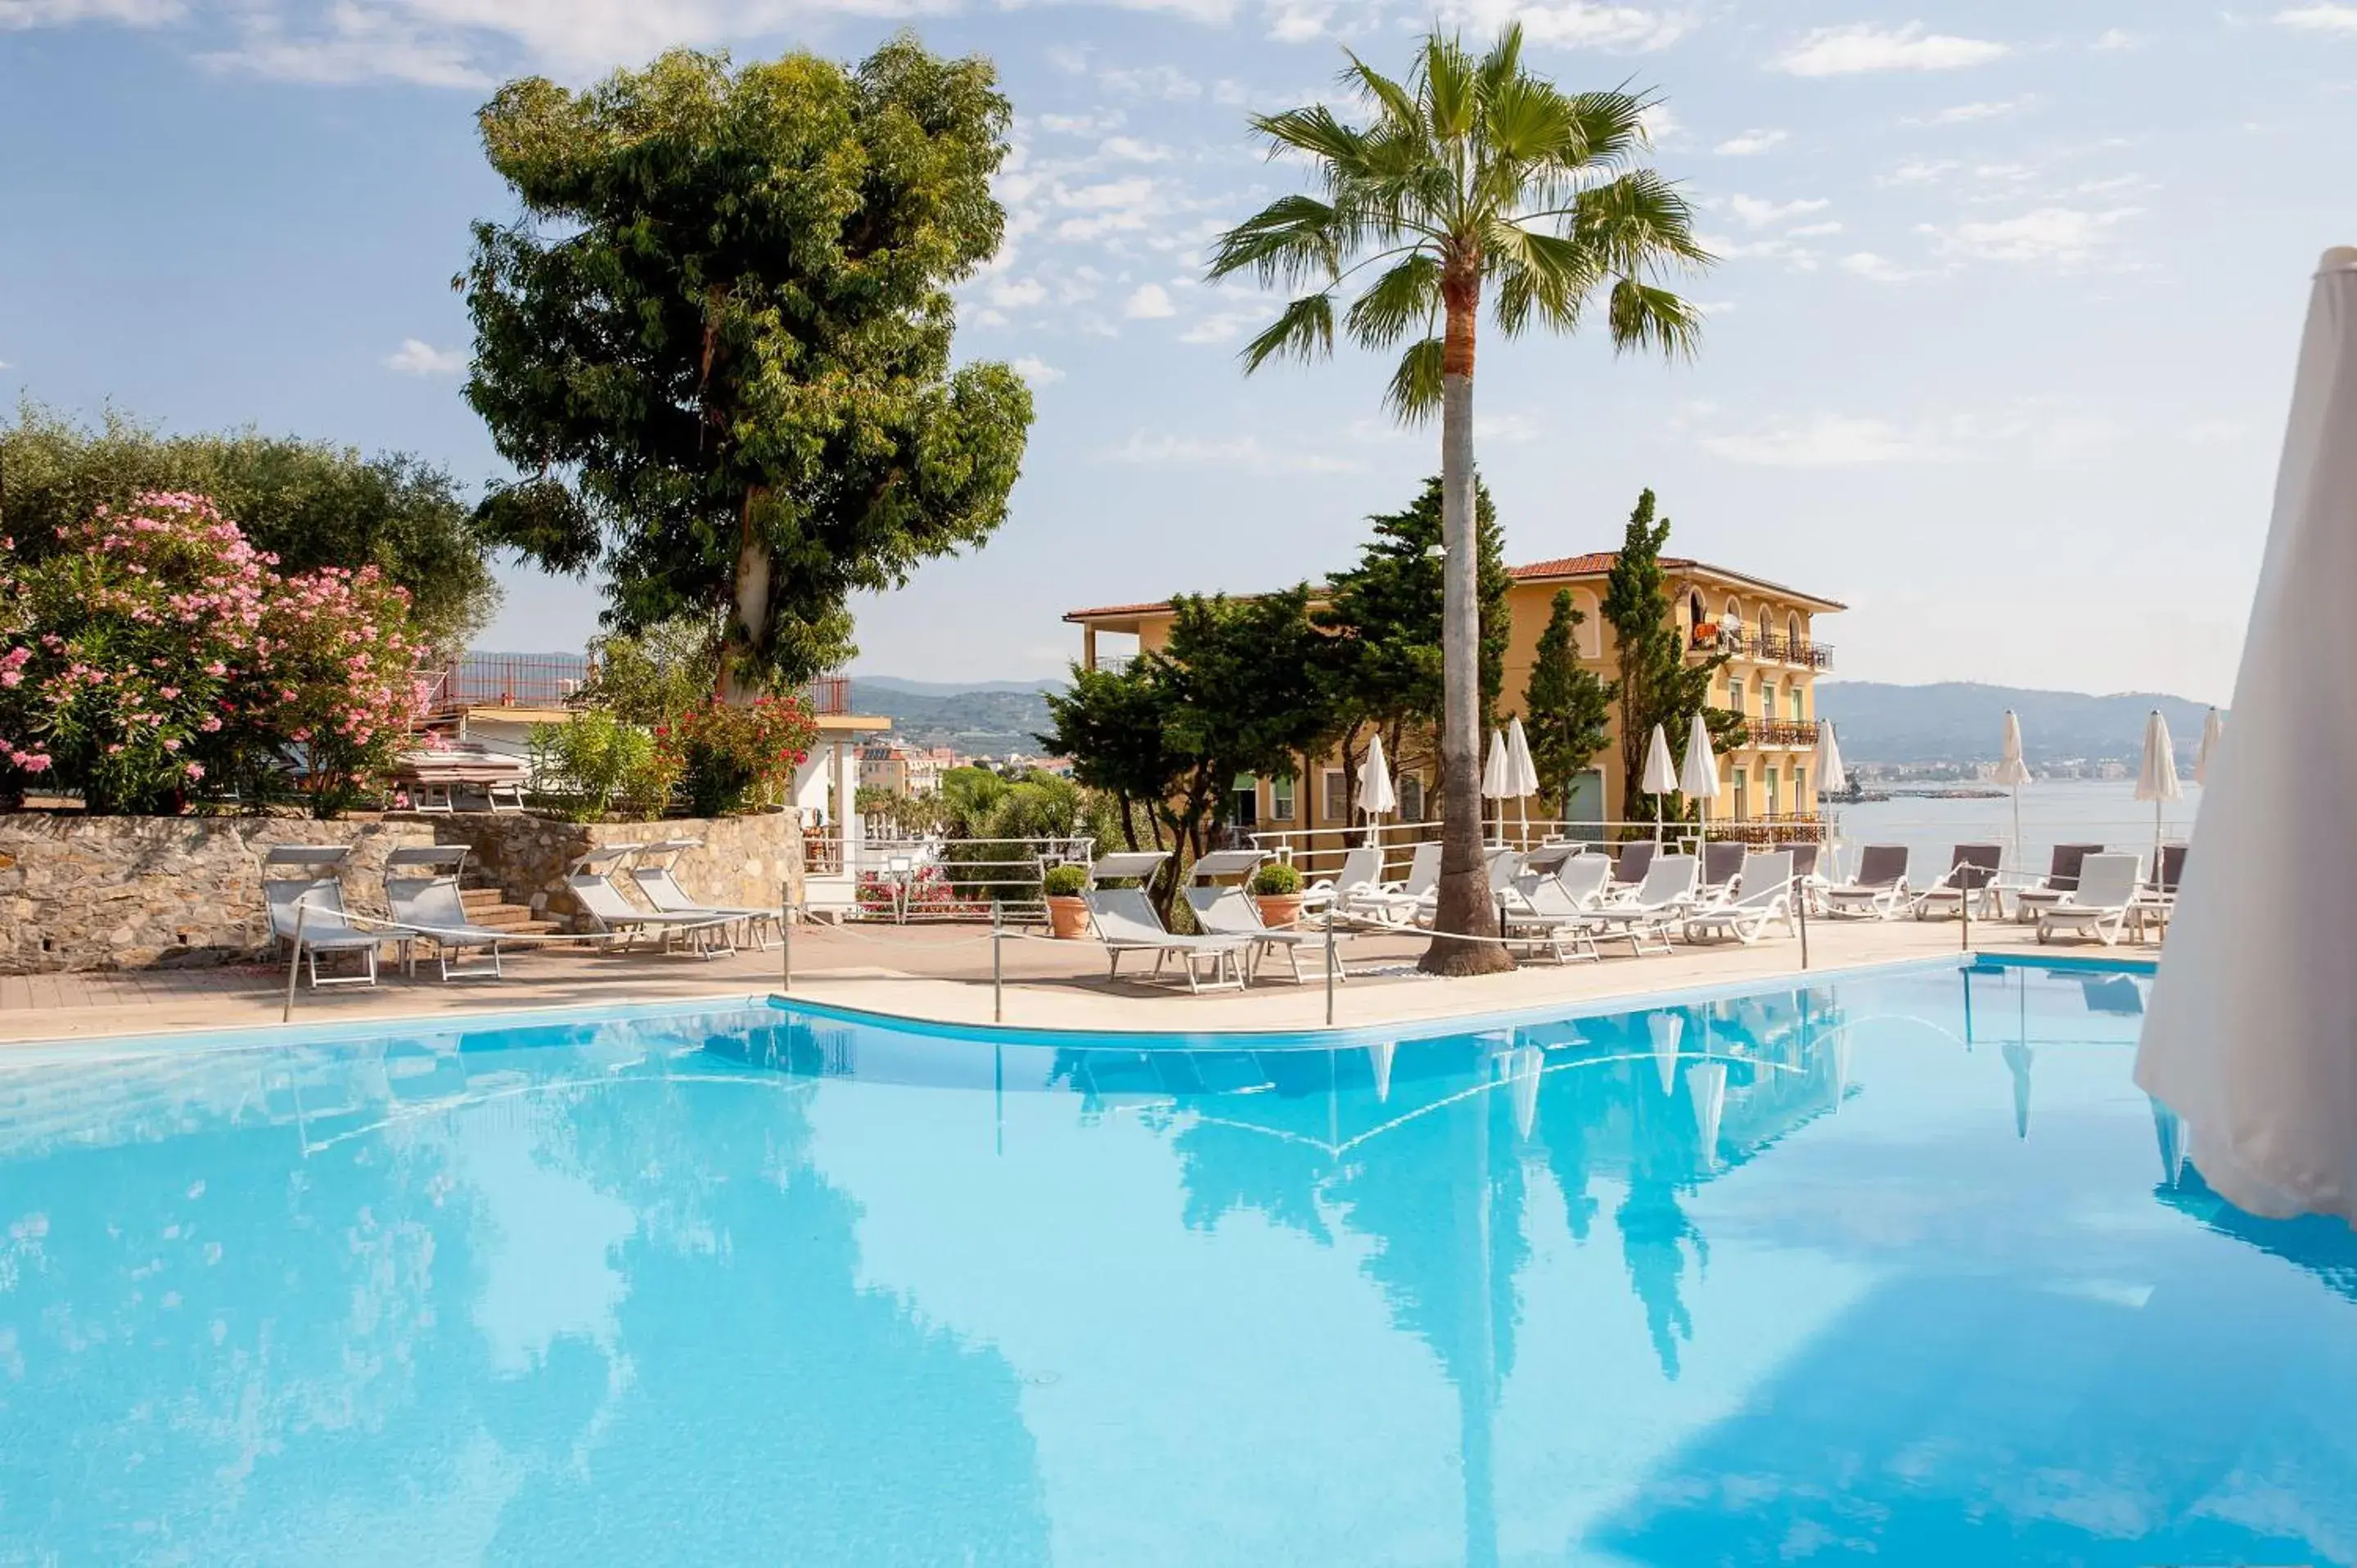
{"type": "Point", "coordinates": [196, 771]}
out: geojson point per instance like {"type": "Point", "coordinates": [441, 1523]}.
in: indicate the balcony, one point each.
{"type": "Point", "coordinates": [553, 680]}
{"type": "Point", "coordinates": [1767, 647]}
{"type": "Point", "coordinates": [1788, 733]}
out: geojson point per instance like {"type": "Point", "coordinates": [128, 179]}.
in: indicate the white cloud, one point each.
{"type": "Point", "coordinates": [5, 365]}
{"type": "Point", "coordinates": [1246, 452]}
{"type": "Point", "coordinates": [1776, 248]}
{"type": "Point", "coordinates": [1919, 171]}
{"type": "Point", "coordinates": [1015, 293]}
{"type": "Point", "coordinates": [1881, 269]}
{"type": "Point", "coordinates": [1296, 24]}
{"type": "Point", "coordinates": [1129, 149]}
{"type": "Point", "coordinates": [2054, 236]}
{"type": "Point", "coordinates": [1162, 81]}
{"type": "Point", "coordinates": [1811, 230]}
{"type": "Point", "coordinates": [1571, 24]}
{"type": "Point", "coordinates": [1756, 213]}
{"type": "Point", "coordinates": [1748, 142]}
{"type": "Point", "coordinates": [1660, 123]}
{"type": "Point", "coordinates": [2319, 18]}
{"type": "Point", "coordinates": [1149, 302]}
{"type": "Point", "coordinates": [1964, 114]}
{"type": "Point", "coordinates": [1222, 327]}
{"type": "Point", "coordinates": [1508, 429]}
{"type": "Point", "coordinates": [415, 356]}
{"type": "Point", "coordinates": [1828, 441]}
{"type": "Point", "coordinates": [1079, 124]}
{"type": "Point", "coordinates": [2113, 38]}
{"type": "Point", "coordinates": [1037, 370]}
{"type": "Point", "coordinates": [1862, 46]}
{"type": "Point", "coordinates": [19, 15]}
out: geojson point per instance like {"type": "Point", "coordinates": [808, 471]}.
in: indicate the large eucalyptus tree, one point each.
{"type": "Point", "coordinates": [1474, 177]}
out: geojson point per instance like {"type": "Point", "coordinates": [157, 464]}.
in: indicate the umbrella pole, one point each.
{"type": "Point", "coordinates": [2017, 827]}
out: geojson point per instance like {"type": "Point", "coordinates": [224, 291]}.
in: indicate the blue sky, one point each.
{"type": "Point", "coordinates": [1998, 351]}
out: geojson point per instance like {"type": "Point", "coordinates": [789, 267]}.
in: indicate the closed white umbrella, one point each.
{"type": "Point", "coordinates": [1493, 777]}
{"type": "Point", "coordinates": [2157, 778]}
{"type": "Point", "coordinates": [2214, 730]}
{"type": "Point", "coordinates": [2013, 772]}
{"type": "Point", "coordinates": [1376, 795]}
{"type": "Point", "coordinates": [1832, 778]}
{"type": "Point", "coordinates": [1379, 1054]}
{"type": "Point", "coordinates": [1521, 773]}
{"type": "Point", "coordinates": [1698, 778]}
{"type": "Point", "coordinates": [2018, 1060]}
{"type": "Point", "coordinates": [1661, 775]}
{"type": "Point", "coordinates": [2247, 1038]}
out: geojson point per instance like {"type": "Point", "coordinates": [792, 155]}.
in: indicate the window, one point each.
{"type": "Point", "coordinates": [1590, 638]}
{"type": "Point", "coordinates": [1280, 799]}
{"type": "Point", "coordinates": [1694, 613]}
{"type": "Point", "coordinates": [1734, 693]}
{"type": "Point", "coordinates": [1733, 620]}
{"type": "Point", "coordinates": [1800, 790]}
{"type": "Point", "coordinates": [1411, 799]}
{"type": "Point", "coordinates": [1767, 699]}
{"type": "Point", "coordinates": [1742, 802]}
{"type": "Point", "coordinates": [1336, 804]}
{"type": "Point", "coordinates": [1795, 692]}
{"type": "Point", "coordinates": [1767, 782]}
{"type": "Point", "coordinates": [1243, 801]}
{"type": "Point", "coordinates": [1792, 637]}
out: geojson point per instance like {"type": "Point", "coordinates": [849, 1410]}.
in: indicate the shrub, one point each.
{"type": "Point", "coordinates": [1278, 879]}
{"type": "Point", "coordinates": [1067, 881]}
{"type": "Point", "coordinates": [155, 657]}
{"type": "Point", "coordinates": [595, 764]}
{"type": "Point", "coordinates": [738, 758]}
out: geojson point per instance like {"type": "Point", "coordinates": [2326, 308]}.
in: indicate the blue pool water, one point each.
{"type": "Point", "coordinates": [1896, 1267]}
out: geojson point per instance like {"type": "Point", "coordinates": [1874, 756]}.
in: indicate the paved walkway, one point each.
{"type": "Point", "coordinates": [943, 972]}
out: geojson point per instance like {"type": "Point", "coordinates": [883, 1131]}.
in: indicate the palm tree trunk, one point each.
{"type": "Point", "coordinates": [1463, 906]}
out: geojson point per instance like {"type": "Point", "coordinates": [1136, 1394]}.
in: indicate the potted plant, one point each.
{"type": "Point", "coordinates": [1277, 888]}
{"type": "Point", "coordinates": [1067, 912]}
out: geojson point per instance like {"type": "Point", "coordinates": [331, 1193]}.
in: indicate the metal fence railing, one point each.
{"type": "Point", "coordinates": [911, 879]}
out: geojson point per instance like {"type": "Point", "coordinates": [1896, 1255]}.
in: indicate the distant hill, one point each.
{"type": "Point", "coordinates": [1962, 722]}
{"type": "Point", "coordinates": [988, 718]}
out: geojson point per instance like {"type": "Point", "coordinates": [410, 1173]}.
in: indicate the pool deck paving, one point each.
{"type": "Point", "coordinates": [941, 974]}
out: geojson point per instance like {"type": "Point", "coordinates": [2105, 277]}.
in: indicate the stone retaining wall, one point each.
{"type": "Point", "coordinates": [99, 893]}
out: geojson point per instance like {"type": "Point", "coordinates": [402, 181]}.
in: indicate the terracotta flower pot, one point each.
{"type": "Point", "coordinates": [1279, 908]}
{"type": "Point", "coordinates": [1067, 919]}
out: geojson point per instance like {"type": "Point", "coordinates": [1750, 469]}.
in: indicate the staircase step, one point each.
{"type": "Point", "coordinates": [479, 897]}
{"type": "Point", "coordinates": [506, 917]}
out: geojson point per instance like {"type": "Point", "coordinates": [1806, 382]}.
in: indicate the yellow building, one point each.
{"type": "Point", "coordinates": [1769, 628]}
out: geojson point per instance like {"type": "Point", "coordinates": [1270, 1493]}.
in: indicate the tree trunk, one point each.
{"type": "Point", "coordinates": [742, 675]}
{"type": "Point", "coordinates": [1463, 908]}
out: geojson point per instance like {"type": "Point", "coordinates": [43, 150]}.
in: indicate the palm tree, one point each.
{"type": "Point", "coordinates": [1471, 173]}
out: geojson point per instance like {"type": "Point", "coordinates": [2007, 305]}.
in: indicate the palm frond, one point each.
{"type": "Point", "coordinates": [1313, 129]}
{"type": "Point", "coordinates": [1404, 298]}
{"type": "Point", "coordinates": [1397, 104]}
{"type": "Point", "coordinates": [1304, 330]}
{"type": "Point", "coordinates": [1292, 237]}
{"type": "Point", "coordinates": [1638, 222]}
{"type": "Point", "coordinates": [1540, 274]}
{"type": "Point", "coordinates": [1527, 121]}
{"type": "Point", "coordinates": [1449, 88]}
{"type": "Point", "coordinates": [1413, 395]}
{"type": "Point", "coordinates": [1644, 317]}
{"type": "Point", "coordinates": [1503, 63]}
{"type": "Point", "coordinates": [1611, 126]}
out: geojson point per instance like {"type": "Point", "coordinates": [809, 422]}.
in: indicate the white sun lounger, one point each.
{"type": "Point", "coordinates": [1230, 912]}
{"type": "Point", "coordinates": [658, 884]}
{"type": "Point", "coordinates": [610, 912]}
{"type": "Point", "coordinates": [2102, 902]}
{"type": "Point", "coordinates": [307, 876]}
{"type": "Point", "coordinates": [1654, 911]}
{"type": "Point", "coordinates": [1971, 873]}
{"type": "Point", "coordinates": [1878, 891]}
{"type": "Point", "coordinates": [1765, 899]}
{"type": "Point", "coordinates": [1554, 914]}
{"type": "Point", "coordinates": [1127, 923]}
{"type": "Point", "coordinates": [420, 887]}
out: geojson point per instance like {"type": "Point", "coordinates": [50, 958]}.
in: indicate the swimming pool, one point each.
{"type": "Point", "coordinates": [1900, 1265]}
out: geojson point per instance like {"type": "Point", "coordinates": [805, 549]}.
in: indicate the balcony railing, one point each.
{"type": "Point", "coordinates": [1783, 732]}
{"type": "Point", "coordinates": [552, 681]}
{"type": "Point", "coordinates": [1769, 648]}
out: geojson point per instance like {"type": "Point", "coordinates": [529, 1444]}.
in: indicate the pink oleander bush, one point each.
{"type": "Point", "coordinates": [159, 659]}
